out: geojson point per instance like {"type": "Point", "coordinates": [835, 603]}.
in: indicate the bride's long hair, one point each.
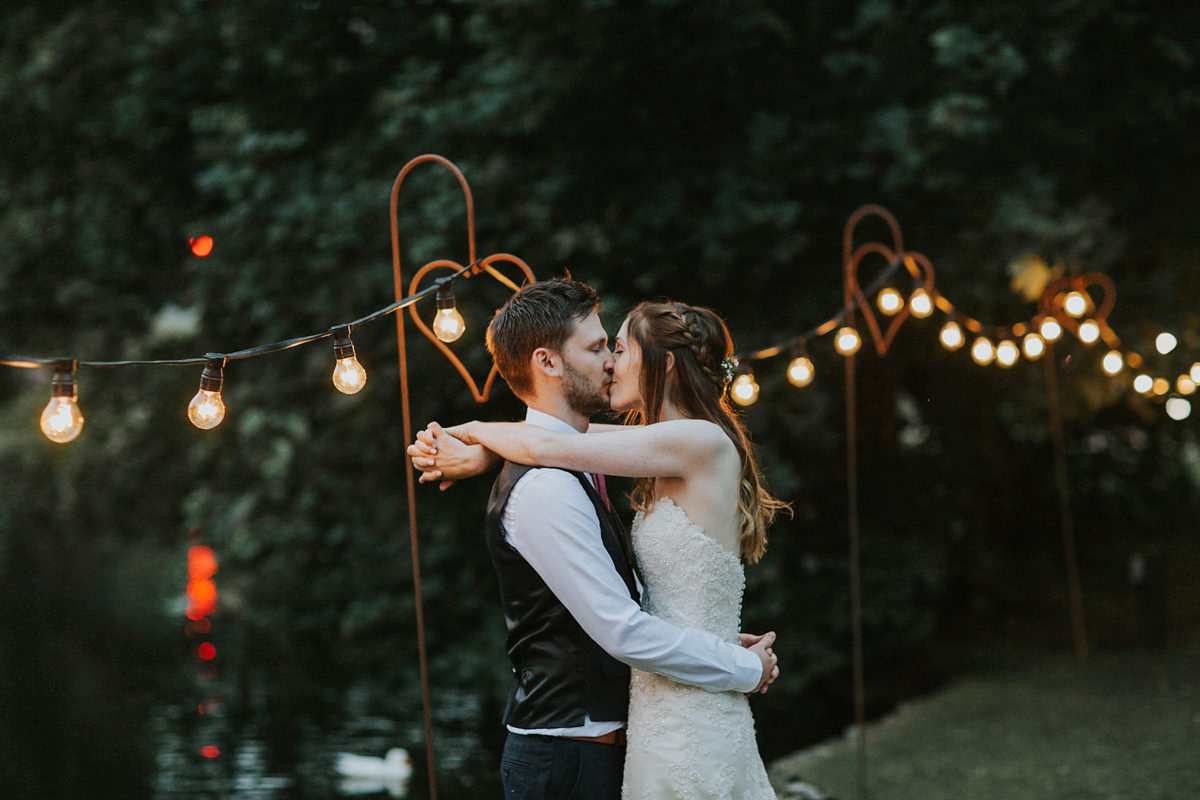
{"type": "Point", "coordinates": [701, 343]}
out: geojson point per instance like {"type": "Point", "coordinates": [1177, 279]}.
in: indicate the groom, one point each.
{"type": "Point", "coordinates": [563, 560]}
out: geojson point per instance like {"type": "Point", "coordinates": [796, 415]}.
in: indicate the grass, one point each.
{"type": "Point", "coordinates": [1120, 726]}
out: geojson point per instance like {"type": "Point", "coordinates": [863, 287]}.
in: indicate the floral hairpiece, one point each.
{"type": "Point", "coordinates": [729, 368]}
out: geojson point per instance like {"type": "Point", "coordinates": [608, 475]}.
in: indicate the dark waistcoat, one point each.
{"type": "Point", "coordinates": [559, 673]}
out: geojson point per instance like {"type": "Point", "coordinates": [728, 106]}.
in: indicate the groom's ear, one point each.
{"type": "Point", "coordinates": [546, 361]}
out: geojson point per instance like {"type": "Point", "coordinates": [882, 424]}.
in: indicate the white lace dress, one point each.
{"type": "Point", "coordinates": [685, 742]}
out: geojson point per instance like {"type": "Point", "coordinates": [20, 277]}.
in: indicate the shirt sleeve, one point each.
{"type": "Point", "coordinates": [551, 522]}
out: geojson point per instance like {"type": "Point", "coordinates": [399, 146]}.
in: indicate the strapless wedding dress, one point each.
{"type": "Point", "coordinates": [685, 742]}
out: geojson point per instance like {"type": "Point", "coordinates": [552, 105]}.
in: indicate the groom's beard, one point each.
{"type": "Point", "coordinates": [582, 395]}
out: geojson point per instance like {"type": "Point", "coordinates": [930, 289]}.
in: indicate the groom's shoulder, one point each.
{"type": "Point", "coordinates": [540, 483]}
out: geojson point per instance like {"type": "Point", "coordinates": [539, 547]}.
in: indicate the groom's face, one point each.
{"type": "Point", "coordinates": [587, 367]}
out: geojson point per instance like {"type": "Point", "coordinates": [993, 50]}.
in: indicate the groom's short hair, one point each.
{"type": "Point", "coordinates": [541, 314]}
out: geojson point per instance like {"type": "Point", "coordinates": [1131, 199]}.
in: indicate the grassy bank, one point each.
{"type": "Point", "coordinates": [1121, 726]}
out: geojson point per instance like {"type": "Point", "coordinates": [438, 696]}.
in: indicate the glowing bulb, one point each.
{"type": "Point", "coordinates": [889, 301]}
{"type": "Point", "coordinates": [1165, 343]}
{"type": "Point", "coordinates": [348, 375]}
{"type": "Point", "coordinates": [1088, 332]}
{"type": "Point", "coordinates": [1112, 363]}
{"type": "Point", "coordinates": [847, 341]}
{"type": "Point", "coordinates": [744, 389]}
{"type": "Point", "coordinates": [1007, 353]}
{"type": "Point", "coordinates": [448, 325]}
{"type": "Point", "coordinates": [1143, 384]}
{"type": "Point", "coordinates": [1161, 386]}
{"type": "Point", "coordinates": [1033, 345]}
{"type": "Point", "coordinates": [951, 336]}
{"type": "Point", "coordinates": [61, 419]}
{"type": "Point", "coordinates": [920, 304]}
{"type": "Point", "coordinates": [1075, 304]}
{"type": "Point", "coordinates": [207, 408]}
{"type": "Point", "coordinates": [1185, 385]}
{"type": "Point", "coordinates": [800, 371]}
{"type": "Point", "coordinates": [1194, 373]}
{"type": "Point", "coordinates": [1178, 408]}
{"type": "Point", "coordinates": [1050, 329]}
{"type": "Point", "coordinates": [982, 351]}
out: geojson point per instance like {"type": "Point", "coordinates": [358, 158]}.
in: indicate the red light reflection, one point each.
{"type": "Point", "coordinates": [210, 751]}
{"type": "Point", "coordinates": [206, 652]}
{"type": "Point", "coordinates": [201, 245]}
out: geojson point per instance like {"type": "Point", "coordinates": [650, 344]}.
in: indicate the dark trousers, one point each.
{"type": "Point", "coordinates": [554, 768]}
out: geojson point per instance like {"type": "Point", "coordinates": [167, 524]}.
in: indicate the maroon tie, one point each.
{"type": "Point", "coordinates": [598, 480]}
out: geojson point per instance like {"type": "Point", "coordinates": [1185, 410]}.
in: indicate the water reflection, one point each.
{"type": "Point", "coordinates": [266, 759]}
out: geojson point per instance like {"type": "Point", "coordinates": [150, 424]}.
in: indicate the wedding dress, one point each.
{"type": "Point", "coordinates": [685, 742]}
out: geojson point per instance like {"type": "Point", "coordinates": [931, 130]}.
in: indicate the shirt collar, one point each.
{"type": "Point", "coordinates": [548, 421]}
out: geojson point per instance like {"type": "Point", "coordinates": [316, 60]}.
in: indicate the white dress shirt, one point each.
{"type": "Point", "coordinates": [551, 522]}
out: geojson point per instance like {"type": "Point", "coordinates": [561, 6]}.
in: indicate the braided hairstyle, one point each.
{"type": "Point", "coordinates": [696, 386]}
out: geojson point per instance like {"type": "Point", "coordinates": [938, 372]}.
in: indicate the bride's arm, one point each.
{"type": "Point", "coordinates": [665, 449]}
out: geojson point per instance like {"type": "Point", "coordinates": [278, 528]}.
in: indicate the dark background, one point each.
{"type": "Point", "coordinates": [709, 151]}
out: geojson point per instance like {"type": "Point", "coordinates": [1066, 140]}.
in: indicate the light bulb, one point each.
{"type": "Point", "coordinates": [448, 325]}
{"type": "Point", "coordinates": [1165, 343]}
{"type": "Point", "coordinates": [982, 351]}
{"type": "Point", "coordinates": [207, 408]}
{"type": "Point", "coordinates": [1113, 362]}
{"type": "Point", "coordinates": [1161, 386]}
{"type": "Point", "coordinates": [1143, 384]}
{"type": "Point", "coordinates": [1075, 304]}
{"type": "Point", "coordinates": [1007, 353]}
{"type": "Point", "coordinates": [348, 375]}
{"type": "Point", "coordinates": [1178, 409]}
{"type": "Point", "coordinates": [847, 341]}
{"type": "Point", "coordinates": [889, 301]}
{"type": "Point", "coordinates": [1088, 332]}
{"type": "Point", "coordinates": [1033, 345]}
{"type": "Point", "coordinates": [1194, 372]}
{"type": "Point", "coordinates": [800, 371]}
{"type": "Point", "coordinates": [920, 304]}
{"type": "Point", "coordinates": [744, 389]}
{"type": "Point", "coordinates": [951, 336]}
{"type": "Point", "coordinates": [1050, 329]}
{"type": "Point", "coordinates": [1185, 385]}
{"type": "Point", "coordinates": [61, 420]}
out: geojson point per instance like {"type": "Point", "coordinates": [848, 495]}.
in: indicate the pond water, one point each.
{"type": "Point", "coordinates": [264, 759]}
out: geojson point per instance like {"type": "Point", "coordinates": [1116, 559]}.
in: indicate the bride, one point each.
{"type": "Point", "coordinates": [701, 507]}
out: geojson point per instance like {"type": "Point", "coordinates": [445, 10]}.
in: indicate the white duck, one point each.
{"type": "Point", "coordinates": [361, 774]}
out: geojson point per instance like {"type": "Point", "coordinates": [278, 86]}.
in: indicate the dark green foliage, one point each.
{"type": "Point", "coordinates": [709, 151]}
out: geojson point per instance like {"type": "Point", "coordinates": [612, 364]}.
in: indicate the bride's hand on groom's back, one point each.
{"type": "Point", "coordinates": [760, 645]}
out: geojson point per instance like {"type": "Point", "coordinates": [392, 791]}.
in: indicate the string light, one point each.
{"type": "Point", "coordinates": [982, 351]}
{"type": "Point", "coordinates": [1165, 342]}
{"type": "Point", "coordinates": [744, 389]}
{"type": "Point", "coordinates": [889, 301]}
{"type": "Point", "coordinates": [348, 375]}
{"type": "Point", "coordinates": [62, 420]}
{"type": "Point", "coordinates": [951, 336]}
{"type": "Point", "coordinates": [1033, 345]}
{"type": "Point", "coordinates": [1194, 373]}
{"type": "Point", "coordinates": [1112, 363]}
{"type": "Point", "coordinates": [1050, 330]}
{"type": "Point", "coordinates": [1075, 304]}
{"type": "Point", "coordinates": [1088, 332]}
{"type": "Point", "coordinates": [448, 325]}
{"type": "Point", "coordinates": [1178, 408]}
{"type": "Point", "coordinates": [920, 304]}
{"type": "Point", "coordinates": [800, 371]}
{"type": "Point", "coordinates": [207, 408]}
{"type": "Point", "coordinates": [1161, 386]}
{"type": "Point", "coordinates": [1007, 353]}
{"type": "Point", "coordinates": [847, 341]}
{"type": "Point", "coordinates": [1143, 384]}
{"type": "Point", "coordinates": [1185, 385]}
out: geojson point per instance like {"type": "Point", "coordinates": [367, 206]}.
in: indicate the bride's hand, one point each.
{"type": "Point", "coordinates": [761, 646]}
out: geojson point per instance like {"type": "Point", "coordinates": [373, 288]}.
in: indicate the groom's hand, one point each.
{"type": "Point", "coordinates": [441, 457]}
{"type": "Point", "coordinates": [760, 645]}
